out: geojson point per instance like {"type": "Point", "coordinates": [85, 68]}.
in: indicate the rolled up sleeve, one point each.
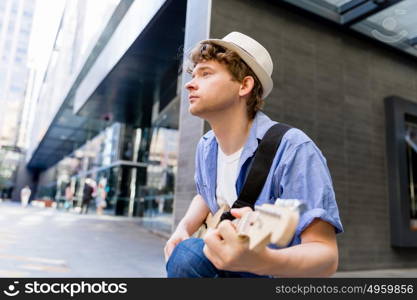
{"type": "Point", "coordinates": [304, 175]}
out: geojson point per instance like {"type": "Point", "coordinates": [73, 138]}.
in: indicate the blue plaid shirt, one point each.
{"type": "Point", "coordinates": [299, 171]}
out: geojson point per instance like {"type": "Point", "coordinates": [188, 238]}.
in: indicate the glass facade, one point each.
{"type": "Point", "coordinates": [9, 161]}
{"type": "Point", "coordinates": [136, 165]}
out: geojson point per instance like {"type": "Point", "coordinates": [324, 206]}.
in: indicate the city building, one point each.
{"type": "Point", "coordinates": [15, 27]}
{"type": "Point", "coordinates": [113, 107]}
{"type": "Point", "coordinates": [110, 106]}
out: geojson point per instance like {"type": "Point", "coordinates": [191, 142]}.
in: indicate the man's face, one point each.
{"type": "Point", "coordinates": [212, 89]}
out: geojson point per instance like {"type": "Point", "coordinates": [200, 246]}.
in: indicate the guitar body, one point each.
{"type": "Point", "coordinates": [269, 223]}
{"type": "Point", "coordinates": [211, 221]}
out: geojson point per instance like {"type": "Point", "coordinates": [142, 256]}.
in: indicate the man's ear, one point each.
{"type": "Point", "coordinates": [246, 86]}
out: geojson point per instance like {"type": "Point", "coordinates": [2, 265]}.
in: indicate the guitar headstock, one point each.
{"type": "Point", "coordinates": [271, 223]}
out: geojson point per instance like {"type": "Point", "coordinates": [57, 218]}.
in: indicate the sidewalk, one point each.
{"type": "Point", "coordinates": [43, 242]}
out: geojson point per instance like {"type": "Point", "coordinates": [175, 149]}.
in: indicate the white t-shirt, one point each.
{"type": "Point", "coordinates": [226, 177]}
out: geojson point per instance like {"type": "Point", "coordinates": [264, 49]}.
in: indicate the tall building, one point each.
{"type": "Point", "coordinates": [113, 107]}
{"type": "Point", "coordinates": [15, 27]}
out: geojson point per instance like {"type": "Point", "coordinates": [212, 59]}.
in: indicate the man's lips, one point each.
{"type": "Point", "coordinates": [192, 98]}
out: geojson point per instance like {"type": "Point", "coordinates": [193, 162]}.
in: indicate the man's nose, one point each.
{"type": "Point", "coordinates": [190, 85]}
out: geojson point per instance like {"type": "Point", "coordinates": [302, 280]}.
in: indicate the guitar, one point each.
{"type": "Point", "coordinates": [268, 223]}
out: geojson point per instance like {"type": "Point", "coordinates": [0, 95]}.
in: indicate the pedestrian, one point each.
{"type": "Point", "coordinates": [69, 196]}
{"type": "Point", "coordinates": [88, 193]}
{"type": "Point", "coordinates": [231, 78]}
{"type": "Point", "coordinates": [25, 195]}
{"type": "Point", "coordinates": [100, 198]}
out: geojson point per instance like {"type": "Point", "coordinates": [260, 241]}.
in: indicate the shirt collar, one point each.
{"type": "Point", "coordinates": [260, 125]}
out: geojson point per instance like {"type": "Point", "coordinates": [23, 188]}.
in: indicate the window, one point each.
{"type": "Point", "coordinates": [14, 6]}
{"type": "Point", "coordinates": [27, 13]}
{"type": "Point", "coordinates": [21, 50]}
{"type": "Point", "coordinates": [11, 28]}
{"type": "Point", "coordinates": [401, 143]}
{"type": "Point", "coordinates": [15, 89]}
{"type": "Point", "coordinates": [24, 31]}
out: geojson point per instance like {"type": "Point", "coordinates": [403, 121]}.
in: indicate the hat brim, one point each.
{"type": "Point", "coordinates": [264, 78]}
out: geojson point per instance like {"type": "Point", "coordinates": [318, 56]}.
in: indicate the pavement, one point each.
{"type": "Point", "coordinates": [383, 273]}
{"type": "Point", "coordinates": [45, 242]}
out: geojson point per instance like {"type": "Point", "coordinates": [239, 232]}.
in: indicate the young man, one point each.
{"type": "Point", "coordinates": [230, 79]}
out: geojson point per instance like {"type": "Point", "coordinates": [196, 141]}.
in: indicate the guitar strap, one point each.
{"type": "Point", "coordinates": [259, 170]}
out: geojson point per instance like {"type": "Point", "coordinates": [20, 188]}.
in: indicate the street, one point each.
{"type": "Point", "coordinates": [44, 242]}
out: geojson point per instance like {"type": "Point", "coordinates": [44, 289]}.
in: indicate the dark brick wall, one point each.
{"type": "Point", "coordinates": [331, 84]}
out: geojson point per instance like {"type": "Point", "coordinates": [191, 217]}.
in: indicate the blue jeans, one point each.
{"type": "Point", "coordinates": [188, 260]}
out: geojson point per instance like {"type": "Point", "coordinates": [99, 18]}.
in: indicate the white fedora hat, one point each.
{"type": "Point", "coordinates": [253, 54]}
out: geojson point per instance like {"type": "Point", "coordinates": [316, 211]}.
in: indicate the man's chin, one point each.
{"type": "Point", "coordinates": [194, 112]}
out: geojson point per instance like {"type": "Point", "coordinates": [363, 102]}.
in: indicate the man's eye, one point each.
{"type": "Point", "coordinates": [206, 74]}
